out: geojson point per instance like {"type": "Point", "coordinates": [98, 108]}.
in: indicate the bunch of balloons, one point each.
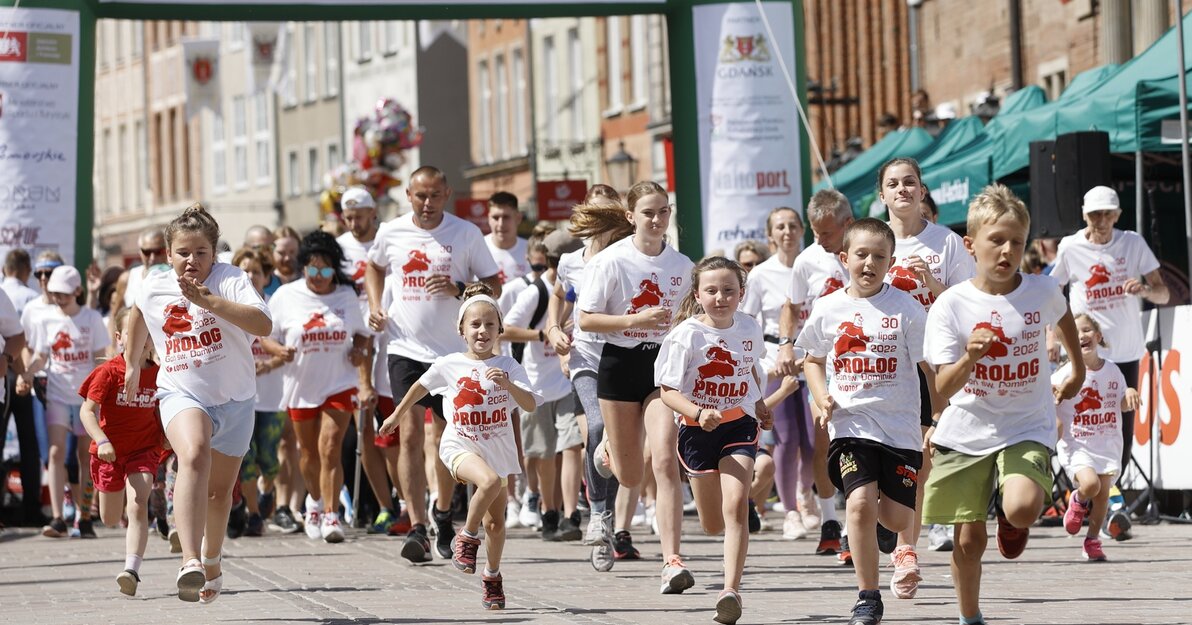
{"type": "Point", "coordinates": [379, 143]}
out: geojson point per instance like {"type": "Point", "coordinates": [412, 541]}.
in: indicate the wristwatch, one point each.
{"type": "Point", "coordinates": [785, 340]}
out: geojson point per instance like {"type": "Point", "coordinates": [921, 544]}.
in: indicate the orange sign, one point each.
{"type": "Point", "coordinates": [556, 198]}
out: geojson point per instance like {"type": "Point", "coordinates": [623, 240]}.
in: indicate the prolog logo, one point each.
{"type": "Point", "coordinates": [418, 261]}
{"type": "Point", "coordinates": [62, 342]}
{"type": "Point", "coordinates": [316, 321]}
{"type": "Point", "coordinates": [741, 48]}
{"type": "Point", "coordinates": [358, 272]}
{"type": "Point", "coordinates": [721, 363]}
{"type": "Point", "coordinates": [999, 347]}
{"type": "Point", "coordinates": [1089, 399]}
{"type": "Point", "coordinates": [471, 393]}
{"type": "Point", "coordinates": [831, 285]}
{"type": "Point", "coordinates": [648, 294]}
{"type": "Point", "coordinates": [851, 337]}
{"type": "Point", "coordinates": [1098, 274]}
{"type": "Point", "coordinates": [178, 320]}
{"type": "Point", "coordinates": [904, 278]}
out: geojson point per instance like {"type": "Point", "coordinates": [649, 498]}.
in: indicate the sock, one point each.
{"type": "Point", "coordinates": [312, 505]}
{"type": "Point", "coordinates": [870, 594]}
{"type": "Point", "coordinates": [1076, 497]}
{"type": "Point", "coordinates": [619, 530]}
{"type": "Point", "coordinates": [598, 507]}
{"type": "Point", "coordinates": [470, 534]}
{"type": "Point", "coordinates": [972, 621]}
{"type": "Point", "coordinates": [491, 573]}
{"type": "Point", "coordinates": [828, 508]}
{"type": "Point", "coordinates": [132, 562]}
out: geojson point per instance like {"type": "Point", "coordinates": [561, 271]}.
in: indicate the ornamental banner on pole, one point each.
{"type": "Point", "coordinates": [200, 67]}
{"type": "Point", "coordinates": [748, 126]}
{"type": "Point", "coordinates": [266, 48]}
{"type": "Point", "coordinates": [39, 100]}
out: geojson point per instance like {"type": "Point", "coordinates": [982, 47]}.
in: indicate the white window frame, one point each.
{"type": "Point", "coordinates": [262, 139]}
{"type": "Point", "coordinates": [1051, 74]}
{"type": "Point", "coordinates": [576, 60]}
{"type": "Point", "coordinates": [518, 67]}
{"type": "Point", "coordinates": [333, 156]}
{"type": "Point", "coordinates": [236, 36]}
{"type": "Point", "coordinates": [313, 172]}
{"type": "Point", "coordinates": [364, 46]}
{"type": "Point", "coordinates": [138, 39]}
{"type": "Point", "coordinates": [390, 33]}
{"type": "Point", "coordinates": [219, 155]}
{"type": "Point", "coordinates": [290, 92]}
{"type": "Point", "coordinates": [293, 174]}
{"type": "Point", "coordinates": [108, 183]}
{"type": "Point", "coordinates": [142, 151]}
{"type": "Point", "coordinates": [310, 55]}
{"type": "Point", "coordinates": [501, 110]}
{"type": "Point", "coordinates": [614, 70]}
{"type": "Point", "coordinates": [331, 58]}
{"type": "Point", "coordinates": [639, 53]}
{"type": "Point", "coordinates": [550, 84]}
{"type": "Point", "coordinates": [484, 113]}
{"type": "Point", "coordinates": [127, 170]}
{"type": "Point", "coordinates": [239, 142]}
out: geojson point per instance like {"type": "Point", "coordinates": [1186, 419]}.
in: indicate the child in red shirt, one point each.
{"type": "Point", "coordinates": [125, 448]}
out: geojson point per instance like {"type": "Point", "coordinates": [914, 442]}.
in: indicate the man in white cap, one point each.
{"type": "Point", "coordinates": [1108, 270]}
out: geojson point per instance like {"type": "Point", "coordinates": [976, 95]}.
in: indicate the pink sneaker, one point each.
{"type": "Point", "coordinates": [1074, 516]}
{"type": "Point", "coordinates": [904, 583]}
{"type": "Point", "coordinates": [1093, 551]}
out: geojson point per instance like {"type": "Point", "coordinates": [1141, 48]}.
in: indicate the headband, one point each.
{"type": "Point", "coordinates": [473, 300]}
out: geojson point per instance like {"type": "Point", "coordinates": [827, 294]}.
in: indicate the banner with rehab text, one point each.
{"type": "Point", "coordinates": [749, 143]}
{"type": "Point", "coordinates": [1162, 450]}
{"type": "Point", "coordinates": [39, 101]}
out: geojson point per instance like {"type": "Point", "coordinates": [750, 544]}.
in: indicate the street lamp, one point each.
{"type": "Point", "coordinates": [622, 168]}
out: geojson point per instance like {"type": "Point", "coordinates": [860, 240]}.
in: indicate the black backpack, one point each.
{"type": "Point", "coordinates": [519, 348]}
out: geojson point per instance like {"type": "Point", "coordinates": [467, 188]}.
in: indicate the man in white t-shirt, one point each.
{"type": "Point", "coordinates": [152, 248]}
{"type": "Point", "coordinates": [18, 267]}
{"type": "Point", "coordinates": [431, 255]}
{"type": "Point", "coordinates": [508, 249]}
{"type": "Point", "coordinates": [1108, 271]}
{"type": "Point", "coordinates": [12, 340]}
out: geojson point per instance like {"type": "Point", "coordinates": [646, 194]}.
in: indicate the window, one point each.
{"type": "Point", "coordinates": [1053, 77]}
{"type": "Point", "coordinates": [502, 109]}
{"type": "Point", "coordinates": [118, 40]}
{"type": "Point", "coordinates": [128, 171]}
{"type": "Point", "coordinates": [142, 173]}
{"type": "Point", "coordinates": [104, 38]}
{"type": "Point", "coordinates": [109, 183]}
{"type": "Point", "coordinates": [219, 155]}
{"type": "Point", "coordinates": [575, 99]}
{"type": "Point", "coordinates": [314, 174]}
{"type": "Point", "coordinates": [389, 37]}
{"type": "Point", "coordinates": [484, 117]}
{"type": "Point", "coordinates": [332, 155]}
{"type": "Point", "coordinates": [520, 143]}
{"type": "Point", "coordinates": [550, 83]}
{"type": "Point", "coordinates": [640, 56]}
{"type": "Point", "coordinates": [237, 36]}
{"type": "Point", "coordinates": [331, 54]}
{"type": "Point", "coordinates": [292, 172]}
{"type": "Point", "coordinates": [138, 39]}
{"type": "Point", "coordinates": [290, 86]}
{"type": "Point", "coordinates": [240, 141]}
{"type": "Point", "coordinates": [310, 53]}
{"type": "Point", "coordinates": [261, 138]}
{"type": "Point", "coordinates": [614, 73]}
{"type": "Point", "coordinates": [363, 41]}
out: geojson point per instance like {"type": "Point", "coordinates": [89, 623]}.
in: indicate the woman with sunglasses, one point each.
{"type": "Point", "coordinates": [320, 318]}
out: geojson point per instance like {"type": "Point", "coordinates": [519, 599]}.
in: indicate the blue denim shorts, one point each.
{"type": "Point", "coordinates": [231, 423]}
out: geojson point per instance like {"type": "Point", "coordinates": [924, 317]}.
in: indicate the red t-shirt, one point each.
{"type": "Point", "coordinates": [130, 426]}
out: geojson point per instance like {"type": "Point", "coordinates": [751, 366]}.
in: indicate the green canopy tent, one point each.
{"type": "Point", "coordinates": [857, 177]}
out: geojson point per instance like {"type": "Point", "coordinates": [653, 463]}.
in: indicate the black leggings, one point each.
{"type": "Point", "coordinates": [1130, 372]}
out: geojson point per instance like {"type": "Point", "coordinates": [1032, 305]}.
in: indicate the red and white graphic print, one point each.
{"type": "Point", "coordinates": [418, 262]}
{"type": "Point", "coordinates": [999, 348]}
{"type": "Point", "coordinates": [1098, 274]}
{"type": "Point", "coordinates": [903, 277]}
{"type": "Point", "coordinates": [471, 393]}
{"type": "Point", "coordinates": [62, 342]}
{"type": "Point", "coordinates": [649, 294]}
{"type": "Point", "coordinates": [178, 320]}
{"type": "Point", "coordinates": [831, 285]}
{"type": "Point", "coordinates": [850, 337]}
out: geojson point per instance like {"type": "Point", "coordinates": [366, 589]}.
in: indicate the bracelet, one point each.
{"type": "Point", "coordinates": [98, 444]}
{"type": "Point", "coordinates": [541, 336]}
{"type": "Point", "coordinates": [699, 413]}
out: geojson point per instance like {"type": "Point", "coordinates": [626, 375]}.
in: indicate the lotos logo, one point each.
{"type": "Point", "coordinates": [177, 320]}
{"type": "Point", "coordinates": [648, 294]}
{"type": "Point", "coordinates": [418, 261]}
{"type": "Point", "coordinates": [831, 285]}
{"type": "Point", "coordinates": [720, 362]}
{"type": "Point", "coordinates": [904, 278]}
{"type": "Point", "coordinates": [1098, 274]}
{"type": "Point", "coordinates": [470, 391]}
{"type": "Point", "coordinates": [998, 348]}
{"type": "Point", "coordinates": [316, 321]}
{"type": "Point", "coordinates": [850, 336]}
{"type": "Point", "coordinates": [62, 341]}
{"type": "Point", "coordinates": [358, 273]}
{"type": "Point", "coordinates": [1090, 399]}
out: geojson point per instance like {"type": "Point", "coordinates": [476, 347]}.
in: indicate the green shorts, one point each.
{"type": "Point", "coordinates": [959, 487]}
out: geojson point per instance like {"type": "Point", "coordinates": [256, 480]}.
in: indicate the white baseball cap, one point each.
{"type": "Point", "coordinates": [1101, 198]}
{"type": "Point", "coordinates": [357, 197]}
{"type": "Point", "coordinates": [64, 279]}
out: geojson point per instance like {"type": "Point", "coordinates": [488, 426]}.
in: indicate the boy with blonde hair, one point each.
{"type": "Point", "coordinates": [986, 339]}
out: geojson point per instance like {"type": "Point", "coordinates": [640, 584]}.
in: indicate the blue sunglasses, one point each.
{"type": "Point", "coordinates": [325, 272]}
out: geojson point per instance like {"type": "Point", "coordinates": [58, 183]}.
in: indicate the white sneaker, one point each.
{"type": "Point", "coordinates": [652, 519]}
{"type": "Point", "coordinates": [939, 538]}
{"type": "Point", "coordinates": [530, 515]}
{"type": "Point", "coordinates": [639, 515]}
{"type": "Point", "coordinates": [312, 524]}
{"type": "Point", "coordinates": [809, 508]}
{"type": "Point", "coordinates": [331, 530]}
{"type": "Point", "coordinates": [792, 526]}
{"type": "Point", "coordinates": [512, 512]}
{"type": "Point", "coordinates": [595, 532]}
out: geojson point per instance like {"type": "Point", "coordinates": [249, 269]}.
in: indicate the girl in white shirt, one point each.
{"type": "Point", "coordinates": [202, 317]}
{"type": "Point", "coordinates": [482, 443]}
{"type": "Point", "coordinates": [630, 292]}
{"type": "Point", "coordinates": [1090, 428]}
{"type": "Point", "coordinates": [709, 370]}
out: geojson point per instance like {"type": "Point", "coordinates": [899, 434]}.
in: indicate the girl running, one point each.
{"type": "Point", "coordinates": [708, 368]}
{"type": "Point", "coordinates": [201, 317]}
{"type": "Point", "coordinates": [116, 420]}
{"type": "Point", "coordinates": [630, 292]}
{"type": "Point", "coordinates": [482, 445]}
{"type": "Point", "coordinates": [319, 318]}
{"type": "Point", "coordinates": [1090, 445]}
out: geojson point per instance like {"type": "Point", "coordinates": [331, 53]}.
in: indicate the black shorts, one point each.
{"type": "Point", "coordinates": [626, 374]}
{"type": "Point", "coordinates": [403, 373]}
{"type": "Point", "coordinates": [924, 399]}
{"type": "Point", "coordinates": [700, 452]}
{"type": "Point", "coordinates": [855, 462]}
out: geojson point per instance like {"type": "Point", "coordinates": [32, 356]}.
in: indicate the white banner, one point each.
{"type": "Point", "coordinates": [200, 68]}
{"type": "Point", "coordinates": [748, 124]}
{"type": "Point", "coordinates": [1163, 451]}
{"type": "Point", "coordinates": [39, 130]}
{"type": "Point", "coordinates": [266, 58]}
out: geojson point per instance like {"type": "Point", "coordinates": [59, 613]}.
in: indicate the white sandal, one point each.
{"type": "Point", "coordinates": [213, 586]}
{"type": "Point", "coordinates": [191, 579]}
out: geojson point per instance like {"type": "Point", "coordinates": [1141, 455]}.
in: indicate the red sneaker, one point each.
{"type": "Point", "coordinates": [1093, 551]}
{"type": "Point", "coordinates": [1011, 541]}
{"type": "Point", "coordinates": [464, 557]}
{"type": "Point", "coordinates": [1074, 515]}
{"type": "Point", "coordinates": [494, 592]}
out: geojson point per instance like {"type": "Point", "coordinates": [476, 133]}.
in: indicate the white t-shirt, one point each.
{"type": "Point", "coordinates": [621, 280]}
{"type": "Point", "coordinates": [33, 311]}
{"type": "Point", "coordinates": [765, 294]}
{"type": "Point", "coordinates": [1007, 399]}
{"type": "Point", "coordinates": [714, 368]}
{"type": "Point", "coordinates": [944, 253]}
{"type": "Point", "coordinates": [136, 275]}
{"type": "Point", "coordinates": [356, 257]}
{"type": "Point", "coordinates": [202, 355]}
{"type": "Point", "coordinates": [269, 385]}
{"type": "Point", "coordinates": [511, 265]}
{"type": "Point", "coordinates": [321, 329]}
{"type": "Point", "coordinates": [816, 273]}
{"type": "Point", "coordinates": [585, 346]}
{"type": "Point", "coordinates": [540, 360]}
{"type": "Point", "coordinates": [422, 326]}
{"type": "Point", "coordinates": [872, 347]}
{"type": "Point", "coordinates": [71, 343]}
{"type": "Point", "coordinates": [18, 293]}
{"type": "Point", "coordinates": [1098, 275]}
{"type": "Point", "coordinates": [479, 413]}
{"type": "Point", "coordinates": [1092, 421]}
{"type": "Point", "coordinates": [10, 325]}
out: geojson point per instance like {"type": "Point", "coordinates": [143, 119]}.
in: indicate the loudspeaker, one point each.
{"type": "Point", "coordinates": [1061, 172]}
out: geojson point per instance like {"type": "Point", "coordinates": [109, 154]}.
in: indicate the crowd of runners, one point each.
{"type": "Point", "coordinates": [589, 382]}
